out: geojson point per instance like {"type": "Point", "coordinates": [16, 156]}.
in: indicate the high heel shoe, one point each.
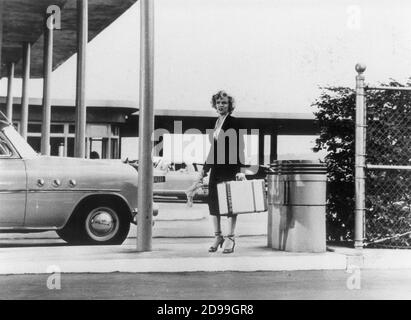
{"type": "Point", "coordinates": [228, 249]}
{"type": "Point", "coordinates": [218, 242]}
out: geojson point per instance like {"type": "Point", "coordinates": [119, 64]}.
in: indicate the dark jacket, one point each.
{"type": "Point", "coordinates": [226, 155]}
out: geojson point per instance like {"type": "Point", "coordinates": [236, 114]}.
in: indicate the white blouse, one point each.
{"type": "Point", "coordinates": [218, 126]}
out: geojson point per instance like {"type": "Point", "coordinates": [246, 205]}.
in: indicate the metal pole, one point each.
{"type": "Point", "coordinates": [48, 68]}
{"type": "Point", "coordinates": [81, 108]}
{"type": "Point", "coordinates": [360, 134]}
{"type": "Point", "coordinates": [9, 104]}
{"type": "Point", "coordinates": [1, 34]}
{"type": "Point", "coordinates": [261, 147]}
{"type": "Point", "coordinates": [387, 167]}
{"type": "Point", "coordinates": [146, 127]}
{"type": "Point", "coordinates": [389, 88]}
{"type": "Point", "coordinates": [273, 146]}
{"type": "Point", "coordinates": [25, 89]}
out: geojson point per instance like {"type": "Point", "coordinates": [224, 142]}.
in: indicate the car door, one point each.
{"type": "Point", "coordinates": [13, 186]}
{"type": "Point", "coordinates": [50, 199]}
{"type": "Point", "coordinates": [179, 178]}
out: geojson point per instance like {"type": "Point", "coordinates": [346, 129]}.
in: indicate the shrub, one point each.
{"type": "Point", "coordinates": [388, 143]}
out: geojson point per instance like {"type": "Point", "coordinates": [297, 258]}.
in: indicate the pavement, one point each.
{"type": "Point", "coordinates": [181, 237]}
{"type": "Point", "coordinates": [167, 255]}
{"type": "Point", "coordinates": [186, 286]}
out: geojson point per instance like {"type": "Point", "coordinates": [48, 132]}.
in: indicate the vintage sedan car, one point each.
{"type": "Point", "coordinates": [179, 176]}
{"type": "Point", "coordinates": [85, 201]}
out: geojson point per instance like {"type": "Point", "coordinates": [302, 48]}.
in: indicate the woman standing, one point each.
{"type": "Point", "coordinates": [224, 160]}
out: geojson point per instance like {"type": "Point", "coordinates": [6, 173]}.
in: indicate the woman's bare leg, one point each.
{"type": "Point", "coordinates": [230, 243]}
{"type": "Point", "coordinates": [232, 221]}
{"type": "Point", "coordinates": [218, 239]}
{"type": "Point", "coordinates": [216, 224]}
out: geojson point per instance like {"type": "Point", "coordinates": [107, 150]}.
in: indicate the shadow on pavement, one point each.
{"type": "Point", "coordinates": [19, 244]}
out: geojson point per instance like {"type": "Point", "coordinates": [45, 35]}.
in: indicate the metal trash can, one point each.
{"type": "Point", "coordinates": [274, 203]}
{"type": "Point", "coordinates": [297, 199]}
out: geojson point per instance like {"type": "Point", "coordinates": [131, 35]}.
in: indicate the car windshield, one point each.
{"type": "Point", "coordinates": [22, 147]}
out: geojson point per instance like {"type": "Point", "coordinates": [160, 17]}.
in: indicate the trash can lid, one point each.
{"type": "Point", "coordinates": [298, 167]}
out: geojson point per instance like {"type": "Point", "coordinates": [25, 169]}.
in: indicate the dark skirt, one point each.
{"type": "Point", "coordinates": [217, 177]}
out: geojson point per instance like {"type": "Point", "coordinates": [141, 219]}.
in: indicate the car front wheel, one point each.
{"type": "Point", "coordinates": [102, 224]}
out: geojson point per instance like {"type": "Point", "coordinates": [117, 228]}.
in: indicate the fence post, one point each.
{"type": "Point", "coordinates": [360, 134]}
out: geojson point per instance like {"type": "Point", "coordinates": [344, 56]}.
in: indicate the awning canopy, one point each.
{"type": "Point", "coordinates": [24, 21]}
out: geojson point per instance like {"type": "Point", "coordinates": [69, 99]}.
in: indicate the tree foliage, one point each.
{"type": "Point", "coordinates": [388, 143]}
{"type": "Point", "coordinates": [335, 114]}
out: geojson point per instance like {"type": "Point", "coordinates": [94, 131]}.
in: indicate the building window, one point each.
{"type": "Point", "coordinates": [100, 138]}
{"type": "Point", "coordinates": [70, 147]}
{"type": "Point", "coordinates": [34, 127]}
{"type": "Point", "coordinates": [35, 143]}
{"type": "Point", "coordinates": [103, 140]}
{"type": "Point", "coordinates": [57, 128]}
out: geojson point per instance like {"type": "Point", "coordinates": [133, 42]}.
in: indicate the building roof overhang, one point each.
{"type": "Point", "coordinates": [130, 105]}
{"type": "Point", "coordinates": [240, 114]}
{"type": "Point", "coordinates": [280, 122]}
{"type": "Point", "coordinates": [23, 21]}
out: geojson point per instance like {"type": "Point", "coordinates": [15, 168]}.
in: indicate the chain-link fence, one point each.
{"type": "Point", "coordinates": [388, 174]}
{"type": "Point", "coordinates": [388, 202]}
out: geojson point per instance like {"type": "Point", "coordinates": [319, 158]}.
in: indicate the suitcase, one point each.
{"type": "Point", "coordinates": [237, 197]}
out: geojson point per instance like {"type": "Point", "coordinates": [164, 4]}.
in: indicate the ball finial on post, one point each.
{"type": "Point", "coordinates": [360, 67]}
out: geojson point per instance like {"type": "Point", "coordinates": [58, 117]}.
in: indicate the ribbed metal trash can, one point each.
{"type": "Point", "coordinates": [297, 199]}
{"type": "Point", "coordinates": [274, 203]}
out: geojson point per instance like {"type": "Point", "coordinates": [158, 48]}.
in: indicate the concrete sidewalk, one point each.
{"type": "Point", "coordinates": [375, 258]}
{"type": "Point", "coordinates": [184, 255]}
{"type": "Point", "coordinates": [168, 255]}
{"type": "Point", "coordinates": [181, 237]}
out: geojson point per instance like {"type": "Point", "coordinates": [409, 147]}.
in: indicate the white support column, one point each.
{"type": "Point", "coordinates": [48, 68]}
{"type": "Point", "coordinates": [146, 127]}
{"type": "Point", "coordinates": [273, 145]}
{"type": "Point", "coordinates": [1, 33]}
{"type": "Point", "coordinates": [25, 90]}
{"type": "Point", "coordinates": [9, 104]}
{"type": "Point", "coordinates": [81, 108]}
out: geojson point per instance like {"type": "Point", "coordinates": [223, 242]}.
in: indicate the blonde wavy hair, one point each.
{"type": "Point", "coordinates": [222, 94]}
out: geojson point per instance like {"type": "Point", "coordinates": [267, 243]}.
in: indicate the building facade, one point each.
{"type": "Point", "coordinates": [105, 120]}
